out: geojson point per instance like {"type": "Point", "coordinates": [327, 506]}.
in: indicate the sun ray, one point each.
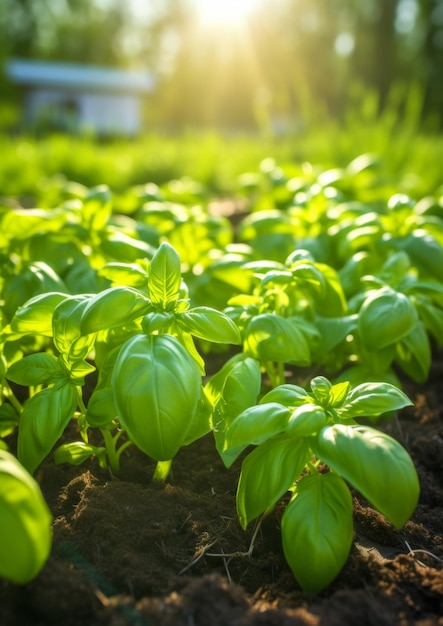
{"type": "Point", "coordinates": [233, 12]}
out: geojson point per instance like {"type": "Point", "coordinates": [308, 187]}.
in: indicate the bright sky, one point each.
{"type": "Point", "coordinates": [210, 12]}
{"type": "Point", "coordinates": [232, 12]}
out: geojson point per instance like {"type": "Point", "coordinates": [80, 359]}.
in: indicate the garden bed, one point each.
{"type": "Point", "coordinates": [131, 552]}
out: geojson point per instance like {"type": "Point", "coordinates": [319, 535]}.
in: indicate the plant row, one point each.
{"type": "Point", "coordinates": [109, 320]}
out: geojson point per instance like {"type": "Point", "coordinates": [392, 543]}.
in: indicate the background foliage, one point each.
{"type": "Point", "coordinates": [289, 59]}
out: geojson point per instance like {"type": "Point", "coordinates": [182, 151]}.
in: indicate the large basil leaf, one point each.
{"type": "Point", "coordinates": [287, 394]}
{"type": "Point", "coordinates": [375, 464]}
{"type": "Point", "coordinates": [157, 390]}
{"type": "Point", "coordinates": [267, 473]}
{"type": "Point", "coordinates": [43, 420]}
{"type": "Point", "coordinates": [209, 324]}
{"type": "Point", "coordinates": [113, 307]}
{"type": "Point", "coordinates": [385, 317]}
{"type": "Point", "coordinates": [25, 523]}
{"type": "Point", "coordinates": [232, 390]}
{"type": "Point", "coordinates": [35, 316]}
{"type": "Point", "coordinates": [317, 530]}
{"type": "Point", "coordinates": [35, 369]}
{"type": "Point", "coordinates": [269, 337]}
{"type": "Point", "coordinates": [256, 424]}
{"type": "Point", "coordinates": [372, 399]}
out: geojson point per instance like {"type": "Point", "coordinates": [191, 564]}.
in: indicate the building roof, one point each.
{"type": "Point", "coordinates": [76, 76]}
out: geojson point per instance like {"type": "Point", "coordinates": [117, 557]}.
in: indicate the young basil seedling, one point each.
{"type": "Point", "coordinates": [149, 370]}
{"type": "Point", "coordinates": [153, 378]}
{"type": "Point", "coordinates": [309, 442]}
{"type": "Point", "coordinates": [278, 319]}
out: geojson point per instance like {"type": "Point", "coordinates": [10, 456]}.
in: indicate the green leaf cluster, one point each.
{"type": "Point", "coordinates": [309, 442]}
{"type": "Point", "coordinates": [128, 294]}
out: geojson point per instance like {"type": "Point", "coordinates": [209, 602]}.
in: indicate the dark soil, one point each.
{"type": "Point", "coordinates": [130, 552]}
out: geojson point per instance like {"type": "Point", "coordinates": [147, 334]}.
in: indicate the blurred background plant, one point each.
{"type": "Point", "coordinates": [235, 82]}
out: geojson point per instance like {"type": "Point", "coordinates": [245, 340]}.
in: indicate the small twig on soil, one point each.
{"type": "Point", "coordinates": [222, 555]}
{"type": "Point", "coordinates": [242, 554]}
{"type": "Point", "coordinates": [414, 552]}
{"type": "Point", "coordinates": [197, 558]}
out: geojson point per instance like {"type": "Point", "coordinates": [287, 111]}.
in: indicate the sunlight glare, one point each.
{"type": "Point", "coordinates": [232, 12]}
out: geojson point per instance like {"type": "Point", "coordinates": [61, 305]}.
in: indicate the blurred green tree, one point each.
{"type": "Point", "coordinates": [286, 59]}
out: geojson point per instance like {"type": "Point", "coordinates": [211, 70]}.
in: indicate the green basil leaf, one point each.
{"type": "Point", "coordinates": [354, 268]}
{"type": "Point", "coordinates": [20, 223]}
{"type": "Point", "coordinates": [35, 278]}
{"type": "Point", "coordinates": [385, 317]}
{"type": "Point", "coordinates": [333, 331]}
{"type": "Point", "coordinates": [321, 388]}
{"type": "Point", "coordinates": [372, 399]}
{"type": "Point", "coordinates": [209, 324]}
{"type": "Point", "coordinates": [25, 523]}
{"type": "Point", "coordinates": [78, 370]}
{"type": "Point", "coordinates": [288, 395]}
{"type": "Point", "coordinates": [375, 464]}
{"type": "Point", "coordinates": [430, 288]}
{"type": "Point", "coordinates": [35, 369]}
{"type": "Point", "coordinates": [276, 277]}
{"type": "Point", "coordinates": [397, 265]}
{"type": "Point", "coordinates": [35, 316]}
{"type": "Point", "coordinates": [101, 407]}
{"type": "Point", "coordinates": [432, 317]}
{"type": "Point", "coordinates": [338, 394]}
{"type": "Point", "coordinates": [66, 321]}
{"type": "Point", "coordinates": [255, 425]}
{"type": "Point", "coordinates": [269, 337]}
{"type": "Point", "coordinates": [306, 420]}
{"type": "Point", "coordinates": [330, 301]}
{"type": "Point", "coordinates": [127, 274]}
{"type": "Point", "coordinates": [188, 343]}
{"type": "Point", "coordinates": [113, 307]}
{"type": "Point", "coordinates": [157, 390]}
{"type": "Point", "coordinates": [267, 473]}
{"type": "Point", "coordinates": [43, 420]}
{"type": "Point", "coordinates": [317, 530]}
{"type": "Point", "coordinates": [201, 420]}
{"type": "Point", "coordinates": [155, 321]}
{"type": "Point", "coordinates": [425, 252]}
{"type": "Point", "coordinates": [3, 366]}
{"type": "Point", "coordinates": [76, 452]}
{"type": "Point", "coordinates": [414, 354]}
{"type": "Point", "coordinates": [239, 367]}
{"type": "Point", "coordinates": [8, 420]}
{"type": "Point", "coordinates": [165, 276]}
{"type": "Point", "coordinates": [308, 273]}
{"type": "Point", "coordinates": [81, 348]}
{"type": "Point", "coordinates": [232, 390]}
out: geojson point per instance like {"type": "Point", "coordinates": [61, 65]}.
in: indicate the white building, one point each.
{"type": "Point", "coordinates": [76, 97]}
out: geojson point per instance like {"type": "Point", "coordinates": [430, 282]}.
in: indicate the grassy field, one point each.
{"type": "Point", "coordinates": [409, 155]}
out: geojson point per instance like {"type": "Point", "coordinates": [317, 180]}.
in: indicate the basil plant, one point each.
{"type": "Point", "coordinates": [279, 319]}
{"type": "Point", "coordinates": [141, 341]}
{"type": "Point", "coordinates": [311, 444]}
